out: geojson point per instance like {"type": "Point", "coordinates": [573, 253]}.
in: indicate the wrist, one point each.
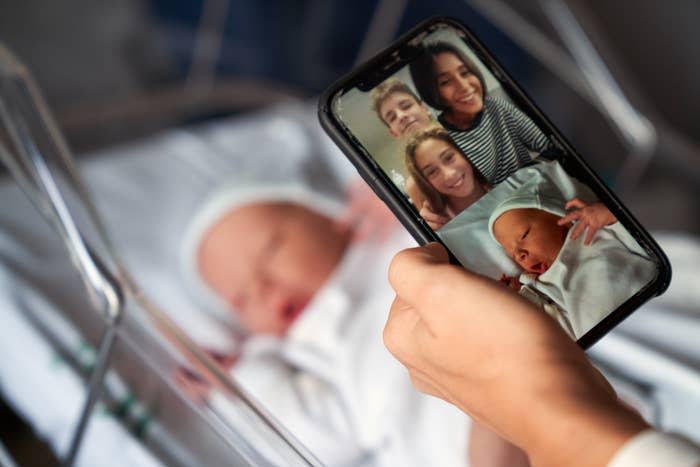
{"type": "Point", "coordinates": [582, 434]}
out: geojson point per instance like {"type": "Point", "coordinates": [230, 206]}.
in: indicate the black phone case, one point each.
{"type": "Point", "coordinates": [383, 64]}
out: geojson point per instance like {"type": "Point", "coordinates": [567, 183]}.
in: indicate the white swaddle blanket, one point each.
{"type": "Point", "coordinates": [467, 235]}
{"type": "Point", "coordinates": [146, 192]}
{"type": "Point", "coordinates": [332, 382]}
{"type": "Point", "coordinates": [588, 282]}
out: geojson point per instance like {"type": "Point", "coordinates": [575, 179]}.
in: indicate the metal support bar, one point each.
{"type": "Point", "coordinates": [645, 137]}
{"type": "Point", "coordinates": [210, 33]}
{"type": "Point", "coordinates": [636, 130]}
{"type": "Point", "coordinates": [5, 458]}
{"type": "Point", "coordinates": [382, 28]}
{"type": "Point", "coordinates": [94, 392]}
{"type": "Point", "coordinates": [20, 104]}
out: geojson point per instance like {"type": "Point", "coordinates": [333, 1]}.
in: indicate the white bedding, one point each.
{"type": "Point", "coordinates": [337, 387]}
{"type": "Point", "coordinates": [657, 348]}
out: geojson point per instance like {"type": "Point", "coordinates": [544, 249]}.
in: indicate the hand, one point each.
{"type": "Point", "coordinates": [468, 340]}
{"type": "Point", "coordinates": [591, 216]}
{"type": "Point", "coordinates": [366, 214]}
{"type": "Point", "coordinates": [511, 282]}
{"type": "Point", "coordinates": [434, 220]}
{"type": "Point", "coordinates": [195, 385]}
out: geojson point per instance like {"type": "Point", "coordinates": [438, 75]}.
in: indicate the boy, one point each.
{"type": "Point", "coordinates": [404, 114]}
{"type": "Point", "coordinates": [399, 108]}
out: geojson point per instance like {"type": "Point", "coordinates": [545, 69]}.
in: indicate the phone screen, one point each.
{"type": "Point", "coordinates": [488, 176]}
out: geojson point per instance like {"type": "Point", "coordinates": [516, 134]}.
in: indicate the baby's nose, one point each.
{"type": "Point", "coordinates": [522, 256]}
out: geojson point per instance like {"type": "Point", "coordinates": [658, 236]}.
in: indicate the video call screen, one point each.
{"type": "Point", "coordinates": [491, 184]}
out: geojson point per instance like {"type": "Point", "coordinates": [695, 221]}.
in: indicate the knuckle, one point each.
{"type": "Point", "coordinates": [398, 263]}
{"type": "Point", "coordinates": [395, 342]}
{"type": "Point", "coordinates": [437, 290]}
{"type": "Point", "coordinates": [390, 337]}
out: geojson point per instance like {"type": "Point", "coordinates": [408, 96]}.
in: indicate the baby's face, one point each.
{"type": "Point", "coordinates": [531, 237]}
{"type": "Point", "coordinates": [268, 260]}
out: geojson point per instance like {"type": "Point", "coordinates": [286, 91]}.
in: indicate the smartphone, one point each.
{"type": "Point", "coordinates": [462, 156]}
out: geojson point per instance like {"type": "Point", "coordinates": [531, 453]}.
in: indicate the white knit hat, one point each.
{"type": "Point", "coordinates": [526, 198]}
{"type": "Point", "coordinates": [224, 201]}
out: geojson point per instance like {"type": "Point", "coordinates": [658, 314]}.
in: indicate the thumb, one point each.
{"type": "Point", "coordinates": [411, 269]}
{"type": "Point", "coordinates": [434, 252]}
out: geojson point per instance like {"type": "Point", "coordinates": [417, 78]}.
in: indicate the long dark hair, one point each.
{"type": "Point", "coordinates": [438, 201]}
{"type": "Point", "coordinates": [423, 72]}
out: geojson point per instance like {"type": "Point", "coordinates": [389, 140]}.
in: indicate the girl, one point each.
{"type": "Point", "coordinates": [498, 137]}
{"type": "Point", "coordinates": [447, 179]}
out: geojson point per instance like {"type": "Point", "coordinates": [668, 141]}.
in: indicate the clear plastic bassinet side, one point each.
{"type": "Point", "coordinates": [150, 346]}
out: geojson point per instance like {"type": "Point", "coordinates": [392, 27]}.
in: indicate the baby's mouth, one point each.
{"type": "Point", "coordinates": [293, 309]}
{"type": "Point", "coordinates": [539, 268]}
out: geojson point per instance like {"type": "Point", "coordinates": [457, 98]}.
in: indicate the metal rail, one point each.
{"type": "Point", "coordinates": [38, 158]}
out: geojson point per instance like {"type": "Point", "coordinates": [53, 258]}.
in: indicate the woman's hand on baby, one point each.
{"type": "Point", "coordinates": [434, 220]}
{"type": "Point", "coordinates": [470, 341]}
{"type": "Point", "coordinates": [589, 217]}
{"type": "Point", "coordinates": [366, 214]}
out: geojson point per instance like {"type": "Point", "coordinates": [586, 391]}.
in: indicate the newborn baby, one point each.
{"type": "Point", "coordinates": [576, 279]}
{"type": "Point", "coordinates": [267, 260]}
{"type": "Point", "coordinates": [313, 305]}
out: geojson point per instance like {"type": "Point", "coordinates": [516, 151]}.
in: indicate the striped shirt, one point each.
{"type": "Point", "coordinates": [500, 140]}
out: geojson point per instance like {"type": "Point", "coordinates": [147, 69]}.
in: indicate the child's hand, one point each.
{"type": "Point", "coordinates": [587, 216]}
{"type": "Point", "coordinates": [195, 385]}
{"type": "Point", "coordinates": [366, 214]}
{"type": "Point", "coordinates": [225, 361]}
{"type": "Point", "coordinates": [511, 282]}
{"type": "Point", "coordinates": [192, 384]}
{"type": "Point", "coordinates": [434, 220]}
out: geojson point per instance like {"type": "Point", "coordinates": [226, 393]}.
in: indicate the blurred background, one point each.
{"type": "Point", "coordinates": [618, 78]}
{"type": "Point", "coordinates": [114, 71]}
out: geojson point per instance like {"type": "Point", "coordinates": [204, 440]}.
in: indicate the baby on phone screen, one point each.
{"type": "Point", "coordinates": [578, 279]}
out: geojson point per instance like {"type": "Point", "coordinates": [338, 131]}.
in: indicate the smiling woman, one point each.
{"type": "Point", "coordinates": [496, 136]}
{"type": "Point", "coordinates": [459, 88]}
{"type": "Point", "coordinates": [450, 82]}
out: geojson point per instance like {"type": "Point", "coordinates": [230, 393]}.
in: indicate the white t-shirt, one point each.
{"type": "Point", "coordinates": [652, 448]}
